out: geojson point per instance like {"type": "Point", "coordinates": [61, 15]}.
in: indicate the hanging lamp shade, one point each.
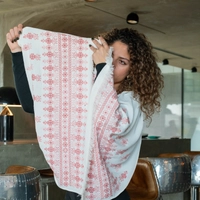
{"type": "Point", "coordinates": [194, 69]}
{"type": "Point", "coordinates": [8, 96]}
{"type": "Point", "coordinates": [132, 18]}
{"type": "Point", "coordinates": [165, 62]}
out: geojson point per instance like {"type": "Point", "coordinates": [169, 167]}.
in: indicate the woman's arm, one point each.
{"type": "Point", "coordinates": [20, 78]}
{"type": "Point", "coordinates": [21, 83]}
{"type": "Point", "coordinates": [99, 67]}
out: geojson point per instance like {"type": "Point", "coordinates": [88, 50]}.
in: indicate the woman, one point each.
{"type": "Point", "coordinates": [128, 82]}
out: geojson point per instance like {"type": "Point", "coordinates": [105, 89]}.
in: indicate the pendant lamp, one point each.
{"type": "Point", "coordinates": [132, 18]}
{"type": "Point", "coordinates": [8, 99]}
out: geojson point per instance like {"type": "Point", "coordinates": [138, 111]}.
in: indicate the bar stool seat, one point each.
{"type": "Point", "coordinates": [155, 176]}
{"type": "Point", "coordinates": [20, 182]}
{"type": "Point", "coordinates": [144, 184]}
{"type": "Point", "coordinates": [192, 153]}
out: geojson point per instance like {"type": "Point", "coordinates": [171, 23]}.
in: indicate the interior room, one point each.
{"type": "Point", "coordinates": [173, 28]}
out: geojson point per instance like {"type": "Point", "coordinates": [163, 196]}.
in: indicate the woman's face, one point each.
{"type": "Point", "coordinates": [121, 62]}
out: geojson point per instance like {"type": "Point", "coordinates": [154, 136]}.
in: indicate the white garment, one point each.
{"type": "Point", "coordinates": [90, 136]}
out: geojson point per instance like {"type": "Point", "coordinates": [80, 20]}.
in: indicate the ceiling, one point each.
{"type": "Point", "coordinates": [172, 26]}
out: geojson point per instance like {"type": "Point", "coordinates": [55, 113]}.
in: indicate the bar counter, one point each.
{"type": "Point", "coordinates": [27, 152]}
{"type": "Point", "coordinates": [21, 152]}
{"type": "Point", "coordinates": [154, 147]}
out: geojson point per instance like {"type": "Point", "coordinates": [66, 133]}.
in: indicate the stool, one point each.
{"type": "Point", "coordinates": [194, 185]}
{"type": "Point", "coordinates": [195, 170]}
{"type": "Point", "coordinates": [47, 178]}
{"type": "Point", "coordinates": [173, 173]}
{"type": "Point", "coordinates": [143, 184]}
{"type": "Point", "coordinates": [20, 182]}
{"type": "Point", "coordinates": [195, 177]}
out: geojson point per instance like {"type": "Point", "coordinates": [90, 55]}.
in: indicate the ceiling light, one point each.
{"type": "Point", "coordinates": [132, 18]}
{"type": "Point", "coordinates": [165, 62]}
{"type": "Point", "coordinates": [90, 0]}
{"type": "Point", "coordinates": [194, 69]}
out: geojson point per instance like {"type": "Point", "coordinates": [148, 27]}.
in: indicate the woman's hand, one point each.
{"type": "Point", "coordinates": [12, 36]}
{"type": "Point", "coordinates": [100, 51]}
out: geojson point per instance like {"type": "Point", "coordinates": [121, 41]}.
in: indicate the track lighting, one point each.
{"type": "Point", "coordinates": [132, 18]}
{"type": "Point", "coordinates": [165, 62]}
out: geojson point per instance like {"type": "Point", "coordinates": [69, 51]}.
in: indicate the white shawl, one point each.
{"type": "Point", "coordinates": [90, 136]}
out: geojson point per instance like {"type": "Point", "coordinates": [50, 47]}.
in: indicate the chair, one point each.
{"type": "Point", "coordinates": [20, 182]}
{"type": "Point", "coordinates": [144, 184]}
{"type": "Point", "coordinates": [155, 176]}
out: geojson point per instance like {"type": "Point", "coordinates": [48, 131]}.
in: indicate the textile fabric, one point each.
{"type": "Point", "coordinates": [73, 196]}
{"type": "Point", "coordinates": [90, 136]}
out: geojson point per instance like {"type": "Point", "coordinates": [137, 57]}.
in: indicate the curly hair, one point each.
{"type": "Point", "coordinates": [144, 78]}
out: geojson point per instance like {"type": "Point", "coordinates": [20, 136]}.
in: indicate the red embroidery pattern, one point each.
{"type": "Point", "coordinates": [26, 47]}
{"type": "Point", "coordinates": [59, 102]}
{"type": "Point", "coordinates": [36, 98]}
{"type": "Point", "coordinates": [31, 36]}
{"type": "Point", "coordinates": [34, 56]}
{"type": "Point", "coordinates": [36, 77]}
{"type": "Point", "coordinates": [61, 112]}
